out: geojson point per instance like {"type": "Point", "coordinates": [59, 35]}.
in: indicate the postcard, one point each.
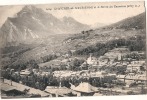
{"type": "Point", "coordinates": [73, 49]}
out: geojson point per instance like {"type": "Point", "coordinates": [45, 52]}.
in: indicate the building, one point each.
{"type": "Point", "coordinates": [141, 62]}
{"type": "Point", "coordinates": [13, 86]}
{"type": "Point", "coordinates": [25, 72]}
{"type": "Point", "coordinates": [135, 65]}
{"type": "Point", "coordinates": [84, 66]}
{"type": "Point", "coordinates": [84, 89]}
{"type": "Point", "coordinates": [92, 60]}
{"type": "Point", "coordinates": [132, 77]}
{"type": "Point", "coordinates": [10, 90]}
{"type": "Point", "coordinates": [58, 91]}
{"type": "Point", "coordinates": [117, 53]}
{"type": "Point", "coordinates": [103, 60]}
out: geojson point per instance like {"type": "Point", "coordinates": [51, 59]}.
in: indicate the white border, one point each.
{"type": "Point", "coordinates": [21, 2]}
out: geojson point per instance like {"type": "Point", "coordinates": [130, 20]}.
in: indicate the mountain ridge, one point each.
{"type": "Point", "coordinates": [32, 22]}
{"type": "Point", "coordinates": [134, 22]}
{"type": "Point", "coordinates": [61, 44]}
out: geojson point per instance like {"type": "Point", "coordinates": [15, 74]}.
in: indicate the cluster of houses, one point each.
{"type": "Point", "coordinates": [11, 89]}
{"type": "Point", "coordinates": [114, 57]}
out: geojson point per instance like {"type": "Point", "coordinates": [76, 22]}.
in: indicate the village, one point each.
{"type": "Point", "coordinates": [74, 50]}
{"type": "Point", "coordinates": [117, 72]}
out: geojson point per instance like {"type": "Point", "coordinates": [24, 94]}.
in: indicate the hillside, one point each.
{"type": "Point", "coordinates": [83, 43]}
{"type": "Point", "coordinates": [124, 29]}
{"type": "Point", "coordinates": [135, 22]}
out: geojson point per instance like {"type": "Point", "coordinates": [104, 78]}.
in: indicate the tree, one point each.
{"type": "Point", "coordinates": [121, 69]}
{"type": "Point", "coordinates": [74, 64]}
{"type": "Point", "coordinates": [142, 68]}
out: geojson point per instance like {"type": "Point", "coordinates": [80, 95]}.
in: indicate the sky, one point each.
{"type": "Point", "coordinates": [115, 12]}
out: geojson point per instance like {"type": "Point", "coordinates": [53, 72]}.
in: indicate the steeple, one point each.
{"type": "Point", "coordinates": [90, 56]}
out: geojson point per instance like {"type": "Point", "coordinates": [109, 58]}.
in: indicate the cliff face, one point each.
{"type": "Point", "coordinates": [32, 23]}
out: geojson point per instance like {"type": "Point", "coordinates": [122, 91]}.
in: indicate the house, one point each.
{"type": "Point", "coordinates": [117, 53]}
{"type": "Point", "coordinates": [103, 60]}
{"type": "Point", "coordinates": [25, 72]}
{"type": "Point", "coordinates": [132, 77]}
{"type": "Point", "coordinates": [119, 65]}
{"type": "Point", "coordinates": [84, 89]}
{"type": "Point", "coordinates": [58, 91]}
{"type": "Point", "coordinates": [84, 73]}
{"type": "Point", "coordinates": [84, 66]}
{"type": "Point", "coordinates": [11, 90]}
{"type": "Point", "coordinates": [92, 60]}
{"type": "Point", "coordinates": [20, 87]}
{"type": "Point", "coordinates": [35, 70]}
{"type": "Point", "coordinates": [141, 62]}
{"type": "Point", "coordinates": [135, 65]}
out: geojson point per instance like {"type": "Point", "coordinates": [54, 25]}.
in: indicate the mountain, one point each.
{"type": "Point", "coordinates": [82, 43]}
{"type": "Point", "coordinates": [135, 22]}
{"type": "Point", "coordinates": [74, 25]}
{"type": "Point", "coordinates": [126, 28]}
{"type": "Point", "coordinates": [32, 23]}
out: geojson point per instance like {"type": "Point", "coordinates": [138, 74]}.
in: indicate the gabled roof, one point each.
{"type": "Point", "coordinates": [58, 90]}
{"type": "Point", "coordinates": [85, 87]}
{"type": "Point", "coordinates": [22, 87]}
{"type": "Point", "coordinates": [6, 87]}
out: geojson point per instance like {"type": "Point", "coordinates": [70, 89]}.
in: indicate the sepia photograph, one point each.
{"type": "Point", "coordinates": [73, 50]}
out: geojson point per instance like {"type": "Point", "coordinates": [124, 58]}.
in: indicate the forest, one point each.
{"type": "Point", "coordinates": [134, 44]}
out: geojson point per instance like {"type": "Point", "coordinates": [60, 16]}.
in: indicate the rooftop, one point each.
{"type": "Point", "coordinates": [22, 87]}
{"type": "Point", "coordinates": [58, 90]}
{"type": "Point", "coordinates": [7, 87]}
{"type": "Point", "coordinates": [85, 87]}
